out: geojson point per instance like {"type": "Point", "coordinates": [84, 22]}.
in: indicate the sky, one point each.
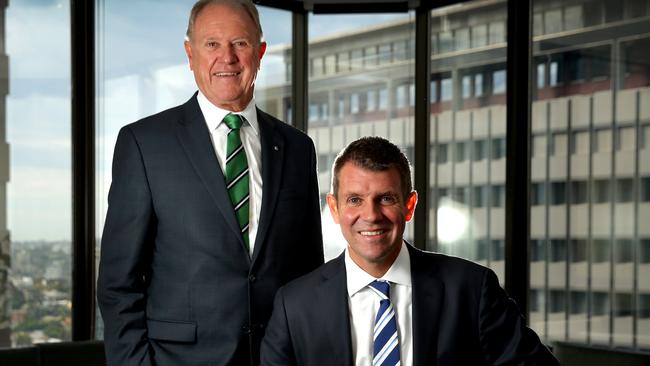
{"type": "Point", "coordinates": [141, 68]}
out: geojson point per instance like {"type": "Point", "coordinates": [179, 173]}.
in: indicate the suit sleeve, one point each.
{"type": "Point", "coordinates": [504, 336]}
{"type": "Point", "coordinates": [277, 348]}
{"type": "Point", "coordinates": [125, 257]}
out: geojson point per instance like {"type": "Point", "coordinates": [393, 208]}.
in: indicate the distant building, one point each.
{"type": "Point", "coordinates": [5, 244]}
{"type": "Point", "coordinates": [590, 188]}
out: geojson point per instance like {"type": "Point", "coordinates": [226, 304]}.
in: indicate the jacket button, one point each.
{"type": "Point", "coordinates": [252, 278]}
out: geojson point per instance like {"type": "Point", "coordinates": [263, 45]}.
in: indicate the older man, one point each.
{"type": "Point", "coordinates": [384, 302]}
{"type": "Point", "coordinates": [213, 207]}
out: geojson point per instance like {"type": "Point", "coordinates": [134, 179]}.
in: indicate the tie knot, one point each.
{"type": "Point", "coordinates": [233, 121]}
{"type": "Point", "coordinates": [382, 288]}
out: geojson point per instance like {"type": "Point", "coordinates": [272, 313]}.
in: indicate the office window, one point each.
{"type": "Point", "coordinates": [559, 146]}
{"type": "Point", "coordinates": [497, 250]}
{"type": "Point", "coordinates": [578, 192]}
{"type": "Point", "coordinates": [313, 112]}
{"type": "Point", "coordinates": [578, 303]}
{"type": "Point", "coordinates": [553, 73]}
{"type": "Point", "coordinates": [624, 251]}
{"type": "Point", "coordinates": [580, 142]}
{"type": "Point", "coordinates": [461, 195]}
{"type": "Point", "coordinates": [480, 150]}
{"type": "Point", "coordinates": [446, 90]}
{"type": "Point", "coordinates": [356, 59]}
{"type": "Point", "coordinates": [443, 153]}
{"type": "Point", "coordinates": [601, 191]}
{"type": "Point", "coordinates": [626, 138]}
{"type": "Point", "coordinates": [541, 75]}
{"type": "Point", "coordinates": [467, 86]}
{"type": "Point", "coordinates": [644, 250]}
{"type": "Point", "coordinates": [478, 85]}
{"type": "Point", "coordinates": [644, 306]}
{"type": "Point", "coordinates": [461, 36]}
{"type": "Point", "coordinates": [558, 250]}
{"type": "Point", "coordinates": [499, 82]}
{"type": "Point", "coordinates": [538, 194]}
{"type": "Point", "coordinates": [400, 50]}
{"type": "Point", "coordinates": [645, 189]}
{"type": "Point", "coordinates": [446, 41]}
{"type": "Point", "coordinates": [433, 90]}
{"type": "Point", "coordinates": [553, 21]}
{"type": "Point", "coordinates": [383, 99]}
{"type": "Point", "coordinates": [354, 103]}
{"type": "Point", "coordinates": [600, 250]}
{"type": "Point", "coordinates": [330, 64]}
{"type": "Point", "coordinates": [343, 62]}
{"type": "Point", "coordinates": [603, 140]}
{"type": "Point", "coordinates": [600, 303]}
{"type": "Point", "coordinates": [411, 95]}
{"type": "Point", "coordinates": [578, 250]}
{"type": "Point", "coordinates": [497, 32]}
{"type": "Point", "coordinates": [558, 193]}
{"type": "Point", "coordinates": [371, 100]}
{"type": "Point", "coordinates": [341, 106]}
{"type": "Point", "coordinates": [324, 111]}
{"type": "Point", "coordinates": [479, 35]}
{"type": "Point", "coordinates": [498, 196]}
{"type": "Point", "coordinates": [480, 196]}
{"type": "Point", "coordinates": [623, 304]}
{"type": "Point", "coordinates": [371, 56]}
{"type": "Point", "coordinates": [573, 17]}
{"type": "Point", "coordinates": [498, 148]}
{"type": "Point", "coordinates": [460, 154]}
{"type": "Point", "coordinates": [482, 249]}
{"type": "Point", "coordinates": [537, 250]}
{"type": "Point", "coordinates": [384, 54]}
{"type": "Point", "coordinates": [624, 190]}
{"type": "Point", "coordinates": [557, 301]}
{"type": "Point", "coordinates": [401, 94]}
{"type": "Point", "coordinates": [316, 67]}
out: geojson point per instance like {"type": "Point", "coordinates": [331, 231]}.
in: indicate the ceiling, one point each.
{"type": "Point", "coordinates": [353, 6]}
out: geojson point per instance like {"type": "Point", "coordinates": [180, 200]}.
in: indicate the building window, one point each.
{"type": "Point", "coordinates": [537, 250]}
{"type": "Point", "coordinates": [603, 140]}
{"type": "Point", "coordinates": [460, 154]}
{"type": "Point", "coordinates": [601, 192]}
{"type": "Point", "coordinates": [578, 192]}
{"type": "Point", "coordinates": [536, 301]}
{"type": "Point", "coordinates": [461, 195]}
{"type": "Point", "coordinates": [443, 153]}
{"type": "Point", "coordinates": [482, 249]}
{"type": "Point", "coordinates": [371, 104]}
{"type": "Point", "coordinates": [498, 196]}
{"type": "Point", "coordinates": [411, 95]}
{"type": "Point", "coordinates": [499, 82]}
{"type": "Point", "coordinates": [497, 32]}
{"type": "Point", "coordinates": [480, 196]}
{"type": "Point", "coordinates": [461, 36]}
{"type": "Point", "coordinates": [354, 103]}
{"type": "Point", "coordinates": [341, 106]}
{"type": "Point", "coordinates": [480, 151]}
{"type": "Point", "coordinates": [383, 99]}
{"type": "Point", "coordinates": [557, 301]}
{"type": "Point", "coordinates": [446, 90]}
{"type": "Point", "coordinates": [498, 250]}
{"type": "Point", "coordinates": [623, 306]}
{"type": "Point", "coordinates": [479, 35]}
{"type": "Point", "coordinates": [433, 90]}
{"type": "Point", "coordinates": [446, 40]}
{"type": "Point", "coordinates": [578, 250]}
{"type": "Point", "coordinates": [600, 250]}
{"type": "Point", "coordinates": [467, 86]}
{"type": "Point", "coordinates": [538, 194]}
{"type": "Point", "coordinates": [624, 190]}
{"type": "Point", "coordinates": [313, 112]}
{"type": "Point", "coordinates": [600, 303]}
{"type": "Point", "coordinates": [385, 54]}
{"type": "Point", "coordinates": [644, 250]}
{"type": "Point", "coordinates": [498, 148]}
{"type": "Point", "coordinates": [578, 302]}
{"type": "Point", "coordinates": [399, 50]}
{"type": "Point", "coordinates": [558, 193]}
{"type": "Point", "coordinates": [371, 56]}
{"type": "Point", "coordinates": [356, 59]}
{"type": "Point", "coordinates": [645, 189]}
{"type": "Point", "coordinates": [553, 74]}
{"type": "Point", "coordinates": [478, 85]}
{"type": "Point", "coordinates": [343, 62]}
{"type": "Point", "coordinates": [317, 66]}
{"type": "Point", "coordinates": [559, 147]}
{"type": "Point", "coordinates": [401, 96]}
{"type": "Point", "coordinates": [626, 138]}
{"type": "Point", "coordinates": [553, 21]}
{"type": "Point", "coordinates": [644, 306]}
{"type": "Point", "coordinates": [580, 142]}
{"type": "Point", "coordinates": [541, 75]}
{"type": "Point", "coordinates": [624, 251]}
{"type": "Point", "coordinates": [539, 145]}
{"type": "Point", "coordinates": [330, 64]}
{"type": "Point", "coordinates": [573, 17]}
{"type": "Point", "coordinates": [558, 250]}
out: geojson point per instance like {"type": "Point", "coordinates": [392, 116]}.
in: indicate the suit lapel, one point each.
{"type": "Point", "coordinates": [195, 139]}
{"type": "Point", "coordinates": [332, 296]}
{"type": "Point", "coordinates": [273, 147]}
{"type": "Point", "coordinates": [428, 296]}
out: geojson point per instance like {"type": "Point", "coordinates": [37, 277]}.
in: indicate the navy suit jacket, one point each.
{"type": "Point", "coordinates": [176, 285]}
{"type": "Point", "coordinates": [461, 316]}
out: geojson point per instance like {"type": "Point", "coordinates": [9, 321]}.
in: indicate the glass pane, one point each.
{"type": "Point", "coordinates": [374, 98]}
{"type": "Point", "coordinates": [589, 112]}
{"type": "Point", "coordinates": [468, 129]}
{"type": "Point", "coordinates": [155, 75]}
{"type": "Point", "coordinates": [35, 162]}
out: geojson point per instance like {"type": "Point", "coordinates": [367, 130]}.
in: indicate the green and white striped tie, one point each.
{"type": "Point", "coordinates": [237, 177]}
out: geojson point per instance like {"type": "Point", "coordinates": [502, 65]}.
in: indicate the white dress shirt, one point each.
{"type": "Point", "coordinates": [364, 304]}
{"type": "Point", "coordinates": [250, 136]}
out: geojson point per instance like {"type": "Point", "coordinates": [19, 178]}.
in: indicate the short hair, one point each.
{"type": "Point", "coordinates": [247, 5]}
{"type": "Point", "coordinates": [374, 154]}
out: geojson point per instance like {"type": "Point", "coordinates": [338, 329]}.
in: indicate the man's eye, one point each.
{"type": "Point", "coordinates": [387, 199]}
{"type": "Point", "coordinates": [354, 201]}
{"type": "Point", "coordinates": [241, 44]}
{"type": "Point", "coordinates": [211, 44]}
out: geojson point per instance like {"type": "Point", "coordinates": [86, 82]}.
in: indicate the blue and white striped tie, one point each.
{"type": "Point", "coordinates": [386, 342]}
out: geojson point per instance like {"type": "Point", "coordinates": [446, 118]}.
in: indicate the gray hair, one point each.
{"type": "Point", "coordinates": [246, 5]}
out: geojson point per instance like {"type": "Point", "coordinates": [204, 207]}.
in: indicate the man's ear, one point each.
{"type": "Point", "coordinates": [331, 203]}
{"type": "Point", "coordinates": [188, 52]}
{"type": "Point", "coordinates": [262, 51]}
{"type": "Point", "coordinates": [411, 202]}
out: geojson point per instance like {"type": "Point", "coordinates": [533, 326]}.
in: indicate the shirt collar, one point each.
{"type": "Point", "coordinates": [214, 115]}
{"type": "Point", "coordinates": [358, 279]}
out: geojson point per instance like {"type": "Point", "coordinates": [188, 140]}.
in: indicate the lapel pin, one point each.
{"type": "Point", "coordinates": [276, 148]}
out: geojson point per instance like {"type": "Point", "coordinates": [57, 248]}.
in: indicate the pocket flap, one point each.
{"type": "Point", "coordinates": [176, 331]}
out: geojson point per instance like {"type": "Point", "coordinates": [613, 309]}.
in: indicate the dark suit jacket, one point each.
{"type": "Point", "coordinates": [176, 285]}
{"type": "Point", "coordinates": [460, 317]}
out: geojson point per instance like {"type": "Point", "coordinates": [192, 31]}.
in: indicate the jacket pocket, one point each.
{"type": "Point", "coordinates": [175, 331]}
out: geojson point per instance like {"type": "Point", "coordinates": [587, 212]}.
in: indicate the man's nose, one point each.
{"type": "Point", "coordinates": [228, 55]}
{"type": "Point", "coordinates": [371, 212]}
